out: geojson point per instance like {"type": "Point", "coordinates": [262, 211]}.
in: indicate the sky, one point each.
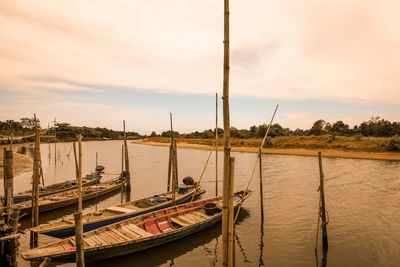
{"type": "Point", "coordinates": [96, 63]}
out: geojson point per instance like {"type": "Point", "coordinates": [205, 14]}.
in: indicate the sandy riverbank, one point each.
{"type": "Point", "coordinates": [22, 163]}
{"type": "Point", "coordinates": [291, 151]}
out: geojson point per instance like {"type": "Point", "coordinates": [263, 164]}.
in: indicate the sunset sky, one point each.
{"type": "Point", "coordinates": [96, 62]}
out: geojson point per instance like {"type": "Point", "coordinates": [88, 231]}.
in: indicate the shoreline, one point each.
{"type": "Point", "coordinates": [330, 153]}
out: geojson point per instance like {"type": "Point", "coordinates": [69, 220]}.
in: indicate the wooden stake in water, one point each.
{"type": "Point", "coordinates": [8, 180]}
{"type": "Point", "coordinates": [76, 162]}
{"type": "Point", "coordinates": [171, 149]}
{"type": "Point", "coordinates": [323, 211]}
{"type": "Point", "coordinates": [80, 257]}
{"type": "Point", "coordinates": [96, 176]}
{"type": "Point", "coordinates": [261, 184]}
{"type": "Point", "coordinates": [216, 144]}
{"type": "Point", "coordinates": [174, 173]}
{"type": "Point", "coordinates": [55, 141]}
{"type": "Point", "coordinates": [231, 245]}
{"type": "Point", "coordinates": [35, 187]}
{"type": "Point", "coordinates": [128, 174]}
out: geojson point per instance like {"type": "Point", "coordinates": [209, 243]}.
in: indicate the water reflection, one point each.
{"type": "Point", "coordinates": [362, 191]}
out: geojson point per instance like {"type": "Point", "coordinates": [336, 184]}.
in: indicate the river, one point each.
{"type": "Point", "coordinates": [362, 200]}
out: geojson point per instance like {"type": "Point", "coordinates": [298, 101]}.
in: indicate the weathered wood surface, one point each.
{"type": "Point", "coordinates": [135, 234]}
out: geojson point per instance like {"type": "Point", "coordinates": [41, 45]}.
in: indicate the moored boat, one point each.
{"type": "Point", "coordinates": [89, 179]}
{"type": "Point", "coordinates": [66, 226]}
{"type": "Point", "coordinates": [139, 233]}
{"type": "Point", "coordinates": [67, 198]}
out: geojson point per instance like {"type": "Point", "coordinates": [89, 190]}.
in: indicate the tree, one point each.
{"type": "Point", "coordinates": [318, 128]}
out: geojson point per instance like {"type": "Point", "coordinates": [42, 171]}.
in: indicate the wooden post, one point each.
{"type": "Point", "coordinates": [323, 212]}
{"type": "Point", "coordinates": [96, 182]}
{"type": "Point", "coordinates": [261, 185]}
{"type": "Point", "coordinates": [216, 144]}
{"type": "Point", "coordinates": [174, 172]}
{"type": "Point", "coordinates": [8, 180]}
{"type": "Point", "coordinates": [171, 155]}
{"type": "Point", "coordinates": [231, 213]}
{"type": "Point", "coordinates": [226, 223]}
{"type": "Point", "coordinates": [55, 141]}
{"type": "Point", "coordinates": [35, 187]}
{"type": "Point", "coordinates": [176, 164]}
{"type": "Point", "coordinates": [128, 174]}
{"type": "Point", "coordinates": [76, 161]}
{"type": "Point", "coordinates": [122, 172]}
{"type": "Point", "coordinates": [80, 257]}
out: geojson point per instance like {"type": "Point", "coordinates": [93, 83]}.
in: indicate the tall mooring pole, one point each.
{"type": "Point", "coordinates": [80, 256]}
{"type": "Point", "coordinates": [35, 187]}
{"type": "Point", "coordinates": [323, 211]}
{"type": "Point", "coordinates": [227, 206]}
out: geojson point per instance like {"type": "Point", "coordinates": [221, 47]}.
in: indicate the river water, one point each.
{"type": "Point", "coordinates": [362, 200]}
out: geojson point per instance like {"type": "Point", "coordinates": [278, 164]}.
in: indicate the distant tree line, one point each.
{"type": "Point", "coordinates": [376, 127]}
{"type": "Point", "coordinates": [63, 130]}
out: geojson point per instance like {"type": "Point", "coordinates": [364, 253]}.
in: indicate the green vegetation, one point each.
{"type": "Point", "coordinates": [64, 131]}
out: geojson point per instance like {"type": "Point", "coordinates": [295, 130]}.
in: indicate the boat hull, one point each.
{"type": "Point", "coordinates": [65, 232]}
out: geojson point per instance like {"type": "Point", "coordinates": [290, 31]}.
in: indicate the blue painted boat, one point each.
{"type": "Point", "coordinates": [139, 233]}
{"type": "Point", "coordinates": [66, 227]}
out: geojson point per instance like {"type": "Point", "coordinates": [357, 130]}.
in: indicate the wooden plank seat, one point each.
{"type": "Point", "coordinates": [138, 230]}
{"type": "Point", "coordinates": [179, 222]}
{"type": "Point", "coordinates": [129, 232]}
{"type": "Point", "coordinates": [120, 209]}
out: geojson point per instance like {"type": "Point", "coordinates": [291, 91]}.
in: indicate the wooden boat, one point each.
{"type": "Point", "coordinates": [66, 227]}
{"type": "Point", "coordinates": [137, 233]}
{"type": "Point", "coordinates": [67, 198]}
{"type": "Point", "coordinates": [89, 179]}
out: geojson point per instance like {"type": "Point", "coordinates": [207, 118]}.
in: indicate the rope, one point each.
{"type": "Point", "coordinates": [201, 176]}
{"type": "Point", "coordinates": [255, 165]}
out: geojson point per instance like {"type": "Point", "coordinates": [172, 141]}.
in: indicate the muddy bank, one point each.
{"type": "Point", "coordinates": [22, 163]}
{"type": "Point", "coordinates": [290, 151]}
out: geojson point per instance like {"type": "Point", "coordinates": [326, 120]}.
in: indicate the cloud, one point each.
{"type": "Point", "coordinates": [337, 50]}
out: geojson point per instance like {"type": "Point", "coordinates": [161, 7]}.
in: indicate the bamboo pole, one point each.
{"type": "Point", "coordinates": [174, 173]}
{"type": "Point", "coordinates": [216, 144]}
{"type": "Point", "coordinates": [171, 154]}
{"type": "Point", "coordinates": [96, 177]}
{"type": "Point", "coordinates": [76, 161]}
{"type": "Point", "coordinates": [122, 172]}
{"type": "Point", "coordinates": [171, 147]}
{"type": "Point", "coordinates": [55, 141]}
{"type": "Point", "coordinates": [231, 229]}
{"type": "Point", "coordinates": [8, 180]}
{"type": "Point", "coordinates": [202, 173]}
{"type": "Point", "coordinates": [323, 211]}
{"type": "Point", "coordinates": [258, 158]}
{"type": "Point", "coordinates": [227, 145]}
{"type": "Point", "coordinates": [80, 257]}
{"type": "Point", "coordinates": [128, 174]}
{"type": "Point", "coordinates": [35, 187]}
{"type": "Point", "coordinates": [261, 184]}
{"type": "Point", "coordinates": [176, 163]}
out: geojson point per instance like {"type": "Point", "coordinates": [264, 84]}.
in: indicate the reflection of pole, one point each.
{"type": "Point", "coordinates": [216, 144]}
{"type": "Point", "coordinates": [174, 173]}
{"type": "Point", "coordinates": [80, 257]}
{"type": "Point", "coordinates": [323, 212]}
{"type": "Point", "coordinates": [96, 177]}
